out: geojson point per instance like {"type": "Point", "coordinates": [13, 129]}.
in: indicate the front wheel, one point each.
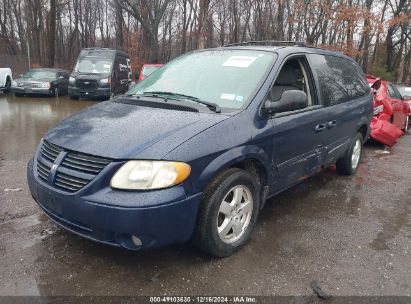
{"type": "Point", "coordinates": [348, 164]}
{"type": "Point", "coordinates": [228, 213]}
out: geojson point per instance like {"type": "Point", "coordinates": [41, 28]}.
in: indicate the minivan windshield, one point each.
{"type": "Point", "coordinates": [92, 65]}
{"type": "Point", "coordinates": [227, 78]}
{"type": "Point", "coordinates": [39, 74]}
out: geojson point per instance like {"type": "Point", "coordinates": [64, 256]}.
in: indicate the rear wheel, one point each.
{"type": "Point", "coordinates": [8, 85]}
{"type": "Point", "coordinates": [348, 164]}
{"type": "Point", "coordinates": [228, 213]}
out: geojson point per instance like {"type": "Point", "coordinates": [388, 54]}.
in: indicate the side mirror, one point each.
{"type": "Point", "coordinates": [290, 101]}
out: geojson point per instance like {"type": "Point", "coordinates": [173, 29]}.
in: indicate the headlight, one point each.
{"type": "Point", "coordinates": [14, 84]}
{"type": "Point", "coordinates": [105, 81]}
{"type": "Point", "coordinates": [72, 79]}
{"type": "Point", "coordinates": [45, 84]}
{"type": "Point", "coordinates": [146, 175]}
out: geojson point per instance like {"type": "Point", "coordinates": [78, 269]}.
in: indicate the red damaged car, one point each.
{"type": "Point", "coordinates": [391, 112]}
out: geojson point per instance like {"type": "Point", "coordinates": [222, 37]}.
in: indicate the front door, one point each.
{"type": "Point", "coordinates": [297, 136]}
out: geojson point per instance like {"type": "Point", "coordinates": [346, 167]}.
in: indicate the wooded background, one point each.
{"type": "Point", "coordinates": [377, 33]}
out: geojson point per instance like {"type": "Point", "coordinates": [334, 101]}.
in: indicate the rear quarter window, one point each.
{"type": "Point", "coordinates": [339, 79]}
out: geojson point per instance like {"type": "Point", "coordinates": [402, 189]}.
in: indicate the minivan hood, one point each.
{"type": "Point", "coordinates": [123, 131]}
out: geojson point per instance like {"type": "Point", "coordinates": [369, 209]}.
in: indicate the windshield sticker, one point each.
{"type": "Point", "coordinates": [227, 96]}
{"type": "Point", "coordinates": [407, 89]}
{"type": "Point", "coordinates": [239, 98]}
{"type": "Point", "coordinates": [239, 61]}
{"type": "Point", "coordinates": [107, 66]}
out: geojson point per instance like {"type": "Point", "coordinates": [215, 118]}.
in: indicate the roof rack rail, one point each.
{"type": "Point", "coordinates": [267, 43]}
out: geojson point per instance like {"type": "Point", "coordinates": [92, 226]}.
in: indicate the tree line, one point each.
{"type": "Point", "coordinates": [377, 33]}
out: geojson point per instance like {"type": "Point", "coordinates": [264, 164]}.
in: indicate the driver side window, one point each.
{"type": "Point", "coordinates": [293, 76]}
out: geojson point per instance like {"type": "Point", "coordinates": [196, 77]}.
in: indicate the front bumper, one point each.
{"type": "Point", "coordinates": [30, 90]}
{"type": "Point", "coordinates": [89, 93]}
{"type": "Point", "coordinates": [126, 214]}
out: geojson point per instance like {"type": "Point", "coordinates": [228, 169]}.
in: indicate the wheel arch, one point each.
{"type": "Point", "coordinates": [252, 159]}
{"type": "Point", "coordinates": [364, 130]}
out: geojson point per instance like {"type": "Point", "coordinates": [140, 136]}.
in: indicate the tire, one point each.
{"type": "Point", "coordinates": [348, 164]}
{"type": "Point", "coordinates": [18, 94]}
{"type": "Point", "coordinates": [74, 97]}
{"type": "Point", "coordinates": [8, 85]}
{"type": "Point", "coordinates": [213, 214]}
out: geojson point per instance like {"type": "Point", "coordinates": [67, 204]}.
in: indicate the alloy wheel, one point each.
{"type": "Point", "coordinates": [356, 154]}
{"type": "Point", "coordinates": [235, 214]}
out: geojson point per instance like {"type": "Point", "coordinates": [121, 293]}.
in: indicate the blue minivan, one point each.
{"type": "Point", "coordinates": [194, 151]}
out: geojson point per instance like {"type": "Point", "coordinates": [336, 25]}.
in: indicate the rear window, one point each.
{"type": "Point", "coordinates": [340, 80]}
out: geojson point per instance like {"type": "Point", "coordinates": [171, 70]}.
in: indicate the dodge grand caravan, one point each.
{"type": "Point", "coordinates": [195, 157]}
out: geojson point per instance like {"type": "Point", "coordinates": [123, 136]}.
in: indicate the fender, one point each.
{"type": "Point", "coordinates": [232, 157]}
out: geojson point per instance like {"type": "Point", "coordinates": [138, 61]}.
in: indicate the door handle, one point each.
{"type": "Point", "coordinates": [321, 127]}
{"type": "Point", "coordinates": [331, 124]}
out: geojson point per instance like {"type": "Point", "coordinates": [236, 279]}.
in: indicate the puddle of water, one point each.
{"type": "Point", "coordinates": [26, 119]}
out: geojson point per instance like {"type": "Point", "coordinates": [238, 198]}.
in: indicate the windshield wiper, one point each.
{"type": "Point", "coordinates": [215, 107]}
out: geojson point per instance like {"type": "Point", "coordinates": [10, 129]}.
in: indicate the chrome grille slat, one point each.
{"type": "Point", "coordinates": [43, 171]}
{"type": "Point", "coordinates": [80, 168]}
{"type": "Point", "coordinates": [101, 161]}
{"type": "Point", "coordinates": [50, 151]}
{"type": "Point", "coordinates": [72, 179]}
{"type": "Point", "coordinates": [83, 163]}
{"type": "Point", "coordinates": [47, 155]}
{"type": "Point", "coordinates": [66, 187]}
{"type": "Point", "coordinates": [75, 171]}
{"type": "Point", "coordinates": [52, 147]}
{"type": "Point", "coordinates": [68, 183]}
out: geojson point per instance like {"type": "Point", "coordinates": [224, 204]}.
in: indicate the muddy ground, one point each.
{"type": "Point", "coordinates": [351, 234]}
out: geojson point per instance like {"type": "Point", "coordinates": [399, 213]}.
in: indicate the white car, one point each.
{"type": "Point", "coordinates": [6, 78]}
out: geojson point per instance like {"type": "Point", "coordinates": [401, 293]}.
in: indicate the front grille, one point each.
{"type": "Point", "coordinates": [86, 84]}
{"type": "Point", "coordinates": [75, 171]}
{"type": "Point", "coordinates": [36, 85]}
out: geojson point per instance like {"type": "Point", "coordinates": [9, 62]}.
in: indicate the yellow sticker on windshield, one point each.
{"type": "Point", "coordinates": [239, 61]}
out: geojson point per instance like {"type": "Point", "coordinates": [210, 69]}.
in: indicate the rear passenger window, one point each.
{"type": "Point", "coordinates": [339, 79]}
